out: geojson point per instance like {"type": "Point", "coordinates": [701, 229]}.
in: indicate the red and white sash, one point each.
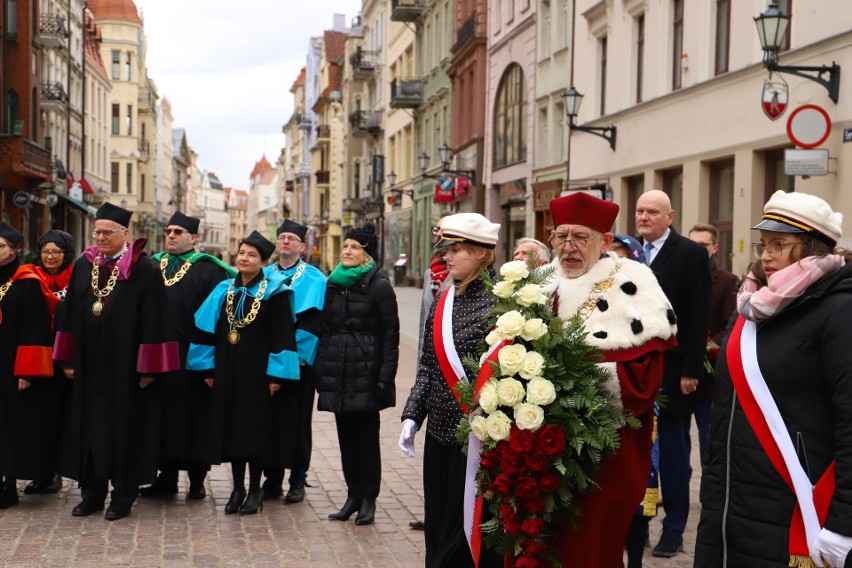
{"type": "Point", "coordinates": [769, 427]}
{"type": "Point", "coordinates": [453, 371]}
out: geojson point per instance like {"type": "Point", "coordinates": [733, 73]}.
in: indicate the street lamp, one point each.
{"type": "Point", "coordinates": [445, 153]}
{"type": "Point", "coordinates": [391, 178]}
{"type": "Point", "coordinates": [397, 192]}
{"type": "Point", "coordinates": [572, 99]}
{"type": "Point", "coordinates": [772, 29]}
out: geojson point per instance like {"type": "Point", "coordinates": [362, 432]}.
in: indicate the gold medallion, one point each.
{"type": "Point", "coordinates": [233, 337]}
{"type": "Point", "coordinates": [97, 308]}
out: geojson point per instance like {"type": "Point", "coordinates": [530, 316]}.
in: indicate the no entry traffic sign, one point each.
{"type": "Point", "coordinates": [808, 126]}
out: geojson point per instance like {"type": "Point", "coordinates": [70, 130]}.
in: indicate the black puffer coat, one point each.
{"type": "Point", "coordinates": [431, 396]}
{"type": "Point", "coordinates": [804, 355]}
{"type": "Point", "coordinates": [359, 346]}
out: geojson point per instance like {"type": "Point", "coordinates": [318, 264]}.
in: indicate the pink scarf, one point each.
{"type": "Point", "coordinates": [759, 304]}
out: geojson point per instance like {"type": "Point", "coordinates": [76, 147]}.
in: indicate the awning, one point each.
{"type": "Point", "coordinates": [78, 204]}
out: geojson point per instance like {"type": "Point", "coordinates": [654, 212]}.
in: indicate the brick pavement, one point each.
{"type": "Point", "coordinates": [40, 531]}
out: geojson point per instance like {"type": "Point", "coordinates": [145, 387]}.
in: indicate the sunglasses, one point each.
{"type": "Point", "coordinates": [177, 232]}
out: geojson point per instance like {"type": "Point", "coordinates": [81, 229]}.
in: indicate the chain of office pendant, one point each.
{"type": "Point", "coordinates": [598, 290]}
{"type": "Point", "coordinates": [113, 278]}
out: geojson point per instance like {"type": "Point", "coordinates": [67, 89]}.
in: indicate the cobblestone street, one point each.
{"type": "Point", "coordinates": [40, 531]}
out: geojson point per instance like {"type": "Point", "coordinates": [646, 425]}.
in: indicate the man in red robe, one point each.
{"type": "Point", "coordinates": [632, 323]}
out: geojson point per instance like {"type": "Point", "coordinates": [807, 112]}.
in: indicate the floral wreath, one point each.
{"type": "Point", "coordinates": [545, 418]}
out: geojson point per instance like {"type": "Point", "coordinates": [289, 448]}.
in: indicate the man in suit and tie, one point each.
{"type": "Point", "coordinates": [681, 267]}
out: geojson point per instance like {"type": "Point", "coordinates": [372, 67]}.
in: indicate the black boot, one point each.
{"type": "Point", "coordinates": [346, 511]}
{"type": "Point", "coordinates": [367, 512]}
{"type": "Point", "coordinates": [9, 493]}
{"type": "Point", "coordinates": [252, 504]}
{"type": "Point", "coordinates": [165, 486]}
{"type": "Point", "coordinates": [237, 498]}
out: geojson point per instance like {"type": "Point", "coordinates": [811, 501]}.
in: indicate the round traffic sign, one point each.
{"type": "Point", "coordinates": [808, 126]}
{"type": "Point", "coordinates": [21, 198]}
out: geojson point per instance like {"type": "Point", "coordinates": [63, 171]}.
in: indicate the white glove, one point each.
{"type": "Point", "coordinates": [830, 549]}
{"type": "Point", "coordinates": [406, 437]}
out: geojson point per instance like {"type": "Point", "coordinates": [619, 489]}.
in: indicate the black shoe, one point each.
{"type": "Point", "coordinates": [8, 496]}
{"type": "Point", "coordinates": [86, 507]}
{"type": "Point", "coordinates": [159, 489]}
{"type": "Point", "coordinates": [417, 525]}
{"type": "Point", "coordinates": [296, 494]}
{"type": "Point", "coordinates": [196, 491]}
{"type": "Point", "coordinates": [367, 512]}
{"type": "Point", "coordinates": [252, 504]}
{"type": "Point", "coordinates": [237, 498]}
{"type": "Point", "coordinates": [116, 511]}
{"type": "Point", "coordinates": [346, 511]}
{"type": "Point", "coordinates": [670, 544]}
{"type": "Point", "coordinates": [269, 491]}
{"type": "Point", "coordinates": [53, 485]}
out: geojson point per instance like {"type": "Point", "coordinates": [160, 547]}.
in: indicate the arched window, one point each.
{"type": "Point", "coordinates": [510, 118]}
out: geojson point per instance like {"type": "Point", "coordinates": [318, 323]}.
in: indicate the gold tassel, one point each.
{"type": "Point", "coordinates": [649, 503]}
{"type": "Point", "coordinates": [797, 561]}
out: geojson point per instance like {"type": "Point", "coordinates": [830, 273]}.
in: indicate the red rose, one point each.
{"type": "Point", "coordinates": [521, 440]}
{"type": "Point", "coordinates": [489, 460]}
{"type": "Point", "coordinates": [533, 546]}
{"type": "Point", "coordinates": [536, 461]}
{"type": "Point", "coordinates": [506, 511]}
{"type": "Point", "coordinates": [551, 440]}
{"type": "Point", "coordinates": [534, 504]}
{"type": "Point", "coordinates": [533, 526]}
{"type": "Point", "coordinates": [526, 562]}
{"type": "Point", "coordinates": [502, 485]}
{"type": "Point", "coordinates": [526, 487]}
{"type": "Point", "coordinates": [512, 463]}
{"type": "Point", "coordinates": [512, 527]}
{"type": "Point", "coordinates": [549, 482]}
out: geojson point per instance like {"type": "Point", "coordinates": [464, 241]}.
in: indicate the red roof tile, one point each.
{"type": "Point", "coordinates": [261, 167]}
{"type": "Point", "coordinates": [115, 10]}
{"type": "Point", "coordinates": [335, 45]}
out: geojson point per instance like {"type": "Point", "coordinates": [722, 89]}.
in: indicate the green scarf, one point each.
{"type": "Point", "coordinates": [346, 277]}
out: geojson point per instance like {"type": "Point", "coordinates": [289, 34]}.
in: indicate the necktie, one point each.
{"type": "Point", "coordinates": [648, 248]}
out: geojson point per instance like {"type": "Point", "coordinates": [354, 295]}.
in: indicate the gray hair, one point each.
{"type": "Point", "coordinates": [543, 249]}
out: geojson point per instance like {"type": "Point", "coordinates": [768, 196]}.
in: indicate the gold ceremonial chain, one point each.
{"type": "Point", "coordinates": [164, 261]}
{"type": "Point", "coordinates": [98, 306]}
{"type": "Point", "coordinates": [233, 334]}
{"type": "Point", "coordinates": [299, 271]}
{"type": "Point", "coordinates": [4, 289]}
{"type": "Point", "coordinates": [599, 288]}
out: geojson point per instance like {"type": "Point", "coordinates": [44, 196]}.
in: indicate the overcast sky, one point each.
{"type": "Point", "coordinates": [227, 68]}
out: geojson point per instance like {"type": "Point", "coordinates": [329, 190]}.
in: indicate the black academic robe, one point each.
{"type": "Point", "coordinates": [112, 430]}
{"type": "Point", "coordinates": [186, 399]}
{"type": "Point", "coordinates": [29, 419]}
{"type": "Point", "coordinates": [245, 424]}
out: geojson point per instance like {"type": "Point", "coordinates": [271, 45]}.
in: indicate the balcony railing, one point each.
{"type": "Point", "coordinates": [363, 63]}
{"type": "Point", "coordinates": [323, 177]}
{"type": "Point", "coordinates": [303, 171]}
{"type": "Point", "coordinates": [28, 159]}
{"type": "Point", "coordinates": [406, 93]}
{"type": "Point", "coordinates": [53, 97]}
{"type": "Point", "coordinates": [466, 33]}
{"type": "Point", "coordinates": [323, 132]}
{"type": "Point", "coordinates": [406, 10]}
{"type": "Point", "coordinates": [52, 31]}
{"type": "Point", "coordinates": [304, 122]}
{"type": "Point", "coordinates": [364, 122]}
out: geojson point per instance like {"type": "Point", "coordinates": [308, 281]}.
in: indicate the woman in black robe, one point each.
{"type": "Point", "coordinates": [251, 352]}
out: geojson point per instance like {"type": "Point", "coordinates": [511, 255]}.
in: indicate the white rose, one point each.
{"type": "Point", "coordinates": [533, 329]}
{"type": "Point", "coordinates": [492, 338]}
{"type": "Point", "coordinates": [515, 270]}
{"type": "Point", "coordinates": [478, 427]}
{"type": "Point", "coordinates": [488, 401]}
{"type": "Point", "coordinates": [510, 391]}
{"type": "Point", "coordinates": [510, 324]}
{"type": "Point", "coordinates": [531, 365]}
{"type": "Point", "coordinates": [511, 358]}
{"type": "Point", "coordinates": [529, 416]}
{"type": "Point", "coordinates": [529, 295]}
{"type": "Point", "coordinates": [499, 425]}
{"type": "Point", "coordinates": [503, 289]}
{"type": "Point", "coordinates": [540, 391]}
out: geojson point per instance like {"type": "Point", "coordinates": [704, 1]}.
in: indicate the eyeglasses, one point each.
{"type": "Point", "coordinates": [58, 252]}
{"type": "Point", "coordinates": [435, 230]}
{"type": "Point", "coordinates": [288, 238]}
{"type": "Point", "coordinates": [177, 232]}
{"type": "Point", "coordinates": [775, 248]}
{"type": "Point", "coordinates": [105, 232]}
{"type": "Point", "coordinates": [4, 245]}
{"type": "Point", "coordinates": [579, 242]}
